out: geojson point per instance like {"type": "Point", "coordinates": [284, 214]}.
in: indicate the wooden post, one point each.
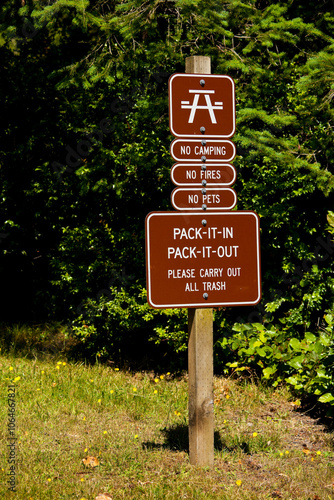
{"type": "Point", "coordinates": [198, 64]}
{"type": "Point", "coordinates": [200, 367]}
{"type": "Point", "coordinates": [200, 355]}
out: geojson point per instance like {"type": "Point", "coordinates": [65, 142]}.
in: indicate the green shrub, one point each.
{"type": "Point", "coordinates": [281, 354]}
{"type": "Point", "coordinates": [125, 327]}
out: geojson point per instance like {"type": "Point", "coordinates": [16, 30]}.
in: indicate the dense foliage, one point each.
{"type": "Point", "coordinates": [84, 156]}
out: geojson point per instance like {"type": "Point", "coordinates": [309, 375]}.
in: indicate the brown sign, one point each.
{"type": "Point", "coordinates": [203, 259]}
{"type": "Point", "coordinates": [205, 198]}
{"type": "Point", "coordinates": [202, 150]}
{"type": "Point", "coordinates": [195, 174]}
{"type": "Point", "coordinates": [201, 105]}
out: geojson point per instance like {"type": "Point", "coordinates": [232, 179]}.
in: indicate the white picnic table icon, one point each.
{"type": "Point", "coordinates": [195, 106]}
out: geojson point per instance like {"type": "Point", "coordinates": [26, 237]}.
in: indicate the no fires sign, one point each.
{"type": "Point", "coordinates": [203, 259]}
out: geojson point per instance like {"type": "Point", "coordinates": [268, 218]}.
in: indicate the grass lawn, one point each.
{"type": "Point", "coordinates": [79, 431]}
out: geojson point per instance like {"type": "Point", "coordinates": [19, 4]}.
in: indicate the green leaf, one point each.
{"type": "Point", "coordinates": [296, 362]}
{"type": "Point", "coordinates": [269, 371]}
{"type": "Point", "coordinates": [232, 365]}
{"type": "Point", "coordinates": [324, 339]}
{"type": "Point", "coordinates": [310, 337]}
{"type": "Point", "coordinates": [256, 344]}
{"type": "Point", "coordinates": [292, 380]}
{"type": "Point", "coordinates": [261, 352]}
{"type": "Point", "coordinates": [326, 398]}
{"type": "Point", "coordinates": [295, 344]}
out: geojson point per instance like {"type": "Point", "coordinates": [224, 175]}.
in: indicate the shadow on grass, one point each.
{"type": "Point", "coordinates": [176, 439]}
{"type": "Point", "coordinates": [44, 341]}
{"type": "Point", "coordinates": [56, 340]}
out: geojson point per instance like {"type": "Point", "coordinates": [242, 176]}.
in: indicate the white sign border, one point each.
{"type": "Point", "coordinates": [208, 160]}
{"type": "Point", "coordinates": [208, 209]}
{"type": "Point", "coordinates": [208, 183]}
{"type": "Point", "coordinates": [207, 76]}
{"type": "Point", "coordinates": [202, 304]}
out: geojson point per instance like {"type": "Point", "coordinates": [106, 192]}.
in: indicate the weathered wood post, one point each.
{"type": "Point", "coordinates": [200, 355]}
